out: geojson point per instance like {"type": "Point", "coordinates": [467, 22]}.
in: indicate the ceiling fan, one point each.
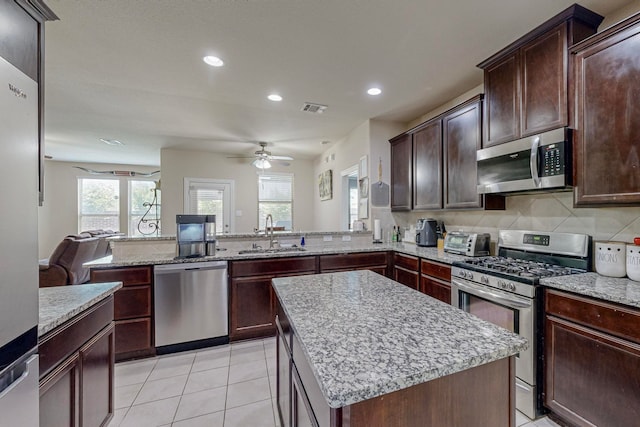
{"type": "Point", "coordinates": [263, 158]}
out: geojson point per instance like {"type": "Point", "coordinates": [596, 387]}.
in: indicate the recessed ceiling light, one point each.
{"type": "Point", "coordinates": [374, 91]}
{"type": "Point", "coordinates": [111, 141]}
{"type": "Point", "coordinates": [274, 97]}
{"type": "Point", "coordinates": [214, 61]}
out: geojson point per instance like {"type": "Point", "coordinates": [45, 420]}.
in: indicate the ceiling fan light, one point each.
{"type": "Point", "coordinates": [261, 163]}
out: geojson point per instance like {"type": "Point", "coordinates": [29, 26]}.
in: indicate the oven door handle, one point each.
{"type": "Point", "coordinates": [508, 301]}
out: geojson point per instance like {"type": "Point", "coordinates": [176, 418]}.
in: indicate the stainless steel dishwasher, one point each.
{"type": "Point", "coordinates": [191, 305]}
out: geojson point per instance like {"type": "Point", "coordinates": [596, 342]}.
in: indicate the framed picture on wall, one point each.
{"type": "Point", "coordinates": [363, 167]}
{"type": "Point", "coordinates": [325, 185]}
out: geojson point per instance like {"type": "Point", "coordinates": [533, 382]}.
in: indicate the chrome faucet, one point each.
{"type": "Point", "coordinates": [266, 231]}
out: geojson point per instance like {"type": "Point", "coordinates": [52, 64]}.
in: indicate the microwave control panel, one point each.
{"type": "Point", "coordinates": [551, 159]}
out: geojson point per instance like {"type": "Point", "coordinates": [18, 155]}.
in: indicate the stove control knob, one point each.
{"type": "Point", "coordinates": [484, 279]}
{"type": "Point", "coordinates": [462, 274]}
{"type": "Point", "coordinates": [512, 287]}
{"type": "Point", "coordinates": [470, 276]}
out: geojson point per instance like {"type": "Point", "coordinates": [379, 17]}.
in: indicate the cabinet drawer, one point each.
{"type": "Point", "coordinates": [134, 301]}
{"type": "Point", "coordinates": [406, 261]}
{"type": "Point", "coordinates": [435, 269]}
{"type": "Point", "coordinates": [68, 338]}
{"type": "Point", "coordinates": [133, 335]}
{"type": "Point", "coordinates": [260, 267]}
{"type": "Point", "coordinates": [129, 276]}
{"type": "Point", "coordinates": [352, 261]}
{"type": "Point", "coordinates": [611, 318]}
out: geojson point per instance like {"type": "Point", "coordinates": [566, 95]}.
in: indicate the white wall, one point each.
{"type": "Point", "coordinates": [178, 164]}
{"type": "Point", "coordinates": [58, 216]}
{"type": "Point", "coordinates": [620, 14]}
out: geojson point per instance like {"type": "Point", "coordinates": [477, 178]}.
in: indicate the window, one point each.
{"type": "Point", "coordinates": [99, 204]}
{"type": "Point", "coordinates": [275, 197]}
{"type": "Point", "coordinates": [210, 196]}
{"type": "Point", "coordinates": [141, 195]}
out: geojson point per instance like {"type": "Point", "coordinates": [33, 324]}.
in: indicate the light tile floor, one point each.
{"type": "Point", "coordinates": [226, 386]}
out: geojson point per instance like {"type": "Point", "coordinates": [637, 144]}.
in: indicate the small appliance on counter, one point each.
{"type": "Point", "coordinates": [469, 244]}
{"type": "Point", "coordinates": [190, 236]}
{"type": "Point", "coordinates": [210, 234]}
{"type": "Point", "coordinates": [428, 231]}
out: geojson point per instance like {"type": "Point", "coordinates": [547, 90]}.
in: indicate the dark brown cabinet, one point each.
{"type": "Point", "coordinates": [406, 270]}
{"type": "Point", "coordinates": [77, 370]}
{"type": "Point", "coordinates": [462, 137]}
{"type": "Point", "coordinates": [401, 171]}
{"type": "Point", "coordinates": [374, 261]}
{"type": "Point", "coordinates": [607, 161]}
{"type": "Point", "coordinates": [427, 166]}
{"type": "Point", "coordinates": [435, 280]}
{"type": "Point", "coordinates": [527, 83]}
{"type": "Point", "coordinates": [133, 309]}
{"type": "Point", "coordinates": [441, 154]}
{"type": "Point", "coordinates": [592, 360]}
{"type": "Point", "coordinates": [251, 297]}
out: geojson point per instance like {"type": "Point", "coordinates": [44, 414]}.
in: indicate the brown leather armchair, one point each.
{"type": "Point", "coordinates": [64, 266]}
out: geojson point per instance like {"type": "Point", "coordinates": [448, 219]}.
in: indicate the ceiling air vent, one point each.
{"type": "Point", "coordinates": [310, 107]}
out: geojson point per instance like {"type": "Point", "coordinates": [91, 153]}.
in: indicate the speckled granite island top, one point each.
{"type": "Point", "coordinates": [620, 290]}
{"type": "Point", "coordinates": [365, 335]}
{"type": "Point", "coordinates": [60, 303]}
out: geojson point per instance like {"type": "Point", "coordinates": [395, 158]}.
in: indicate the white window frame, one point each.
{"type": "Point", "coordinates": [79, 198]}
{"type": "Point", "coordinates": [228, 188]}
{"type": "Point", "coordinates": [262, 173]}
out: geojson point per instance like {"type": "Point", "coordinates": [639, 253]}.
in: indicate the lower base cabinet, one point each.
{"type": "Point", "coordinates": [76, 383]}
{"type": "Point", "coordinates": [406, 270]}
{"type": "Point", "coordinates": [592, 361]}
{"type": "Point", "coordinates": [435, 280]}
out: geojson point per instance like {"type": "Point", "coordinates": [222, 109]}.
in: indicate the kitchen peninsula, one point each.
{"type": "Point", "coordinates": [358, 349]}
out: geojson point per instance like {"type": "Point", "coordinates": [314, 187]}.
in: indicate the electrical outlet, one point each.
{"type": "Point", "coordinates": [328, 238]}
{"type": "Point", "coordinates": [346, 238]}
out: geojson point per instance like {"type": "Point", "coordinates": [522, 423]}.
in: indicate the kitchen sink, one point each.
{"type": "Point", "coordinates": [271, 250]}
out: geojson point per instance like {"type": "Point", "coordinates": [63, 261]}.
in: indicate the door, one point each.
{"type": "Point", "coordinates": [401, 173]}
{"type": "Point", "coordinates": [211, 197]}
{"type": "Point", "coordinates": [502, 101]}
{"type": "Point", "coordinates": [427, 167]}
{"type": "Point", "coordinates": [462, 139]}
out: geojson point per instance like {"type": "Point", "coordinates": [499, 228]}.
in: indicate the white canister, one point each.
{"type": "Point", "coordinates": [611, 259]}
{"type": "Point", "coordinates": [633, 262]}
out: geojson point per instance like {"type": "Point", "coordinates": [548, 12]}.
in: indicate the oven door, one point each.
{"type": "Point", "coordinates": [510, 311]}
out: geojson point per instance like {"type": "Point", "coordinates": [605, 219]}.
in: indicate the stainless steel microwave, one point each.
{"type": "Point", "coordinates": [538, 162]}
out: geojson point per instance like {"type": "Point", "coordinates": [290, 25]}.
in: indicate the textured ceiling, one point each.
{"type": "Point", "coordinates": [133, 70]}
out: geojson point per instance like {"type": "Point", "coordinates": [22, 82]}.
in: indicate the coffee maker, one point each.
{"type": "Point", "coordinates": [190, 236]}
{"type": "Point", "coordinates": [428, 231]}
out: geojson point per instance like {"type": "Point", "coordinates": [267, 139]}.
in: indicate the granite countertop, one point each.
{"type": "Point", "coordinates": [365, 335]}
{"type": "Point", "coordinates": [432, 254]}
{"type": "Point", "coordinates": [60, 303]}
{"type": "Point", "coordinates": [620, 290]}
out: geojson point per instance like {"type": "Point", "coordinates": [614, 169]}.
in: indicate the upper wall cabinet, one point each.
{"type": "Point", "coordinates": [527, 83]}
{"type": "Point", "coordinates": [462, 137]}
{"type": "Point", "coordinates": [607, 139]}
{"type": "Point", "coordinates": [433, 165]}
{"type": "Point", "coordinates": [401, 167]}
{"type": "Point", "coordinates": [427, 165]}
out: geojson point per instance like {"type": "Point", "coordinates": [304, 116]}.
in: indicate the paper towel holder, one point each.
{"type": "Point", "coordinates": [377, 232]}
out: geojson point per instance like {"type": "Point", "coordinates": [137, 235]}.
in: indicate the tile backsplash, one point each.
{"type": "Point", "coordinates": [539, 212]}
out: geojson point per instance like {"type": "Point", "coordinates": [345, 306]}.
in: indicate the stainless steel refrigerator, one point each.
{"type": "Point", "coordinates": [18, 248]}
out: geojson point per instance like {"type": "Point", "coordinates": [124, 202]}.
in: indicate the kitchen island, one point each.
{"type": "Point", "coordinates": [358, 349]}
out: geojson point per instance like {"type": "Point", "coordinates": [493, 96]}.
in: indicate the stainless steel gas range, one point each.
{"type": "Point", "coordinates": [504, 290]}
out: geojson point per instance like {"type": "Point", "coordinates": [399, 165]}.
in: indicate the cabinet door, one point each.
{"type": "Point", "coordinates": [544, 82]}
{"type": "Point", "coordinates": [407, 277]}
{"type": "Point", "coordinates": [427, 167]}
{"type": "Point", "coordinates": [502, 101]}
{"type": "Point", "coordinates": [252, 308]}
{"type": "Point", "coordinates": [607, 160]}
{"type": "Point", "coordinates": [462, 138]}
{"type": "Point", "coordinates": [435, 288]}
{"type": "Point", "coordinates": [590, 378]}
{"type": "Point", "coordinates": [401, 173]}
{"type": "Point", "coordinates": [283, 379]}
{"type": "Point", "coordinates": [302, 413]}
{"type": "Point", "coordinates": [59, 396]}
{"type": "Point", "coordinates": [96, 359]}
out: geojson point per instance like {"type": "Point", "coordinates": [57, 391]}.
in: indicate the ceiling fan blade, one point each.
{"type": "Point", "coordinates": [241, 157]}
{"type": "Point", "coordinates": [280, 158]}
